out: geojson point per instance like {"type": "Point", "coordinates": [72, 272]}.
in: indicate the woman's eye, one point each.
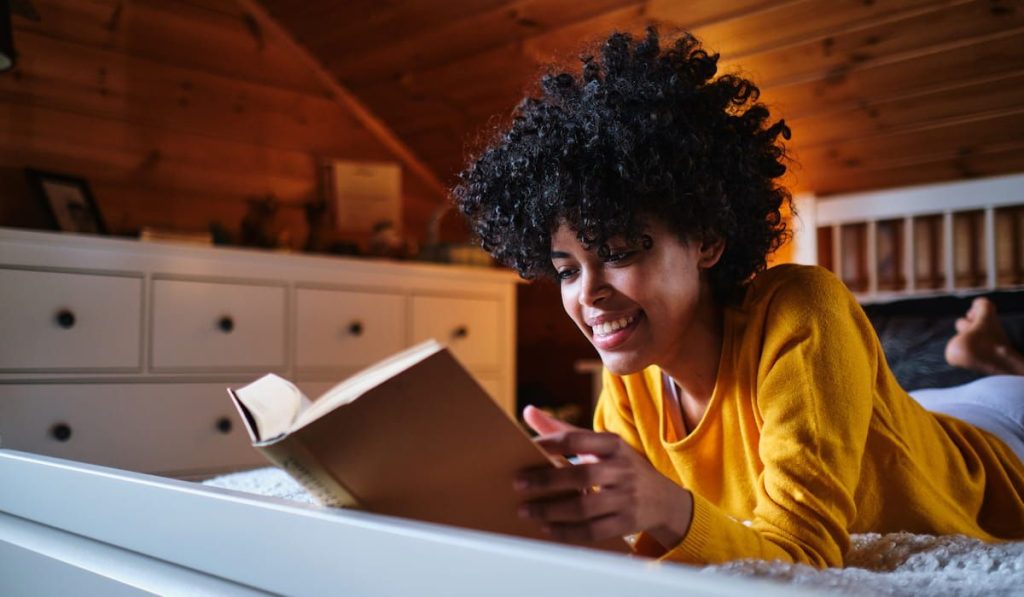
{"type": "Point", "coordinates": [565, 274]}
{"type": "Point", "coordinates": [619, 256]}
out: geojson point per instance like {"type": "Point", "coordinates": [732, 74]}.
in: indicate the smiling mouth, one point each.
{"type": "Point", "coordinates": [608, 328]}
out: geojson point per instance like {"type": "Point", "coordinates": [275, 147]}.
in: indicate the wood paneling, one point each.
{"type": "Point", "coordinates": [994, 55]}
{"type": "Point", "coordinates": [977, 162]}
{"type": "Point", "coordinates": [182, 34]}
{"type": "Point", "coordinates": [65, 75]}
{"type": "Point", "coordinates": [915, 145]}
{"type": "Point", "coordinates": [178, 113]}
{"type": "Point", "coordinates": [895, 38]}
{"type": "Point", "coordinates": [464, 35]}
{"type": "Point", "coordinates": [941, 103]}
{"type": "Point", "coordinates": [837, 70]}
{"type": "Point", "coordinates": [790, 23]}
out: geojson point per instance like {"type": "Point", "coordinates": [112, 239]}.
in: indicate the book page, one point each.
{"type": "Point", "coordinates": [358, 384]}
{"type": "Point", "coordinates": [274, 404]}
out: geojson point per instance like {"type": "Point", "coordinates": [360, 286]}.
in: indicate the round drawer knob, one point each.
{"type": "Point", "coordinates": [224, 425]}
{"type": "Point", "coordinates": [226, 324]}
{"type": "Point", "coordinates": [61, 432]}
{"type": "Point", "coordinates": [355, 328]}
{"type": "Point", "coordinates": [460, 332]}
{"type": "Point", "coordinates": [65, 318]}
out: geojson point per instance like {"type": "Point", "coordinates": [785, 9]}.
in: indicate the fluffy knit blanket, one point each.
{"type": "Point", "coordinates": [894, 564]}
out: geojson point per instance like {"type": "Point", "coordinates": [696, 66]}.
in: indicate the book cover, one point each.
{"type": "Point", "coordinates": [414, 436]}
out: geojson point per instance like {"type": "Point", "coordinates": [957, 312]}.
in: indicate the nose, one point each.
{"type": "Point", "coordinates": [593, 288]}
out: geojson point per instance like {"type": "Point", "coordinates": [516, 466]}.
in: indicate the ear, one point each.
{"type": "Point", "coordinates": [711, 250]}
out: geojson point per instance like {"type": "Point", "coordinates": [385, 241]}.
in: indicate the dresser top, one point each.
{"type": "Point", "coordinates": [57, 250]}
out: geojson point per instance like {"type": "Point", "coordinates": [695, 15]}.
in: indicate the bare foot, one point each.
{"type": "Point", "coordinates": [981, 344]}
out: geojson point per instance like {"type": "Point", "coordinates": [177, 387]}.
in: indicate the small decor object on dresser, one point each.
{"type": "Point", "coordinates": [68, 200]}
{"type": "Point", "coordinates": [412, 436]}
{"type": "Point", "coordinates": [364, 194]}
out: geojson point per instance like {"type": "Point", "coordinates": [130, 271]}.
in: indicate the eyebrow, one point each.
{"type": "Point", "coordinates": [560, 255]}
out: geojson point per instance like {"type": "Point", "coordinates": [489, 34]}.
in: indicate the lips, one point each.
{"type": "Point", "coordinates": [611, 333]}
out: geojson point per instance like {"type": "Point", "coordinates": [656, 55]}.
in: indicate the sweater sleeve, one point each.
{"type": "Point", "coordinates": [816, 368]}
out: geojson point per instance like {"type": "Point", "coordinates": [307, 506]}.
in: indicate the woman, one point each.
{"type": "Point", "coordinates": [746, 412]}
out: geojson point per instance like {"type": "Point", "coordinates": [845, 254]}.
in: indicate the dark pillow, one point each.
{"type": "Point", "coordinates": [914, 333]}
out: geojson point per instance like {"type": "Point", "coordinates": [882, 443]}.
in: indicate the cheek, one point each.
{"type": "Point", "coordinates": [568, 301]}
{"type": "Point", "coordinates": [571, 305]}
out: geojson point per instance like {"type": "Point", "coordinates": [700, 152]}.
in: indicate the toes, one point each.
{"type": "Point", "coordinates": [956, 354]}
{"type": "Point", "coordinates": [975, 310]}
{"type": "Point", "coordinates": [983, 309]}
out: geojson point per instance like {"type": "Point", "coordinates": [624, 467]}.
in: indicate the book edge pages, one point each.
{"type": "Point", "coordinates": [247, 418]}
{"type": "Point", "coordinates": [288, 454]}
{"type": "Point", "coordinates": [272, 404]}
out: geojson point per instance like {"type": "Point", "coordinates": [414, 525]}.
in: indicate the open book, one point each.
{"type": "Point", "coordinates": [413, 436]}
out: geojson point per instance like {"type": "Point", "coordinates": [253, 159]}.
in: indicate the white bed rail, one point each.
{"type": "Point", "coordinates": [71, 528]}
{"type": "Point", "coordinates": [970, 225]}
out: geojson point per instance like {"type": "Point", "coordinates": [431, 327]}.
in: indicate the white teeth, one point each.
{"type": "Point", "coordinates": [603, 329]}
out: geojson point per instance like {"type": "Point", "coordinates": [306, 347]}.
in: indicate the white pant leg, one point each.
{"type": "Point", "coordinates": [994, 403]}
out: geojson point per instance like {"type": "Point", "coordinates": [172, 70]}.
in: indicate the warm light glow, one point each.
{"type": "Point", "coordinates": [785, 253]}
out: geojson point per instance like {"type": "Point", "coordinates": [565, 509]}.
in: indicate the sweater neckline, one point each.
{"type": "Point", "coordinates": [714, 405]}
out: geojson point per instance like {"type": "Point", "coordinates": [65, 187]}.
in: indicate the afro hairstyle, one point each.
{"type": "Point", "coordinates": [642, 132]}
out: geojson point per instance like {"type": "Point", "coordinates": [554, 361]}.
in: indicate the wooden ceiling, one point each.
{"type": "Point", "coordinates": [878, 93]}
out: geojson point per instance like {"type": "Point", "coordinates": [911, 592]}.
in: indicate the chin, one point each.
{"type": "Point", "coordinates": [621, 365]}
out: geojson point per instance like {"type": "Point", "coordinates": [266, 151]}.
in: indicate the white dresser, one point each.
{"type": "Point", "coordinates": [118, 352]}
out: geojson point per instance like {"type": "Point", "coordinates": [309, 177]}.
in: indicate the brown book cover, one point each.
{"type": "Point", "coordinates": [413, 436]}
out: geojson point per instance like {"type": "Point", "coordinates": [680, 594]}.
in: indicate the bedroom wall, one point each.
{"type": "Point", "coordinates": [178, 112]}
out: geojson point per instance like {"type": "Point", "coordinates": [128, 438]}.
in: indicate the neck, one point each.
{"type": "Point", "coordinates": [695, 368]}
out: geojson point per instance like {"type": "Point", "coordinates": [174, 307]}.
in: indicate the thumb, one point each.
{"type": "Point", "coordinates": [543, 423]}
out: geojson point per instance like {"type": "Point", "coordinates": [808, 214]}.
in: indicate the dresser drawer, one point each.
{"type": "Point", "coordinates": [68, 321]}
{"type": "Point", "coordinates": [341, 329]}
{"type": "Point", "coordinates": [160, 428]}
{"type": "Point", "coordinates": [469, 327]}
{"type": "Point", "coordinates": [211, 325]}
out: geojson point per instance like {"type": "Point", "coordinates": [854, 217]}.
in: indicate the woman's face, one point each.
{"type": "Point", "coordinates": [635, 305]}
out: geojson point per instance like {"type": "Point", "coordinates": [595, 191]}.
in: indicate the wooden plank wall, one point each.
{"type": "Point", "coordinates": [879, 94]}
{"type": "Point", "coordinates": [177, 113]}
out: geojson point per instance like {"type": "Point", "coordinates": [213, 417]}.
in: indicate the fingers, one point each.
{"type": "Point", "coordinates": [591, 501]}
{"type": "Point", "coordinates": [584, 518]}
{"type": "Point", "coordinates": [605, 527]}
{"type": "Point", "coordinates": [545, 424]}
{"type": "Point", "coordinates": [576, 508]}
{"type": "Point", "coordinates": [572, 479]}
{"type": "Point", "coordinates": [602, 445]}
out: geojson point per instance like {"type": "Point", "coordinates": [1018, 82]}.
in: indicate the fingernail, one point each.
{"type": "Point", "coordinates": [523, 512]}
{"type": "Point", "coordinates": [520, 484]}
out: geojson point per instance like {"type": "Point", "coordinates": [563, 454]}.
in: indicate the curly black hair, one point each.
{"type": "Point", "coordinates": [642, 132]}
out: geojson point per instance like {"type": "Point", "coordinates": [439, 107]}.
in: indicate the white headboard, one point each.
{"type": "Point", "coordinates": [927, 239]}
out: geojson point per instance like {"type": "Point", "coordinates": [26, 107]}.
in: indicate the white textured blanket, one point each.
{"type": "Point", "coordinates": [895, 564]}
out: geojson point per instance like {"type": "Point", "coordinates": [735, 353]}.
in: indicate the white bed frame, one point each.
{"type": "Point", "coordinates": [76, 529]}
{"type": "Point", "coordinates": [942, 199]}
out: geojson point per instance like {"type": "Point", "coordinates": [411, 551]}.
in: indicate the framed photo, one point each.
{"type": "Point", "coordinates": [68, 200]}
{"type": "Point", "coordinates": [364, 195]}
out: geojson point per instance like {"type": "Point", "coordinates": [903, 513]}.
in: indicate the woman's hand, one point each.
{"type": "Point", "coordinates": [614, 491]}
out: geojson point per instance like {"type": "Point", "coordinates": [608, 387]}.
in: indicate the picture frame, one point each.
{"type": "Point", "coordinates": [68, 201]}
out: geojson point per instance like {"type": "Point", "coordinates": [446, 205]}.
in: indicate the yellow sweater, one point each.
{"type": "Point", "coordinates": [808, 438]}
